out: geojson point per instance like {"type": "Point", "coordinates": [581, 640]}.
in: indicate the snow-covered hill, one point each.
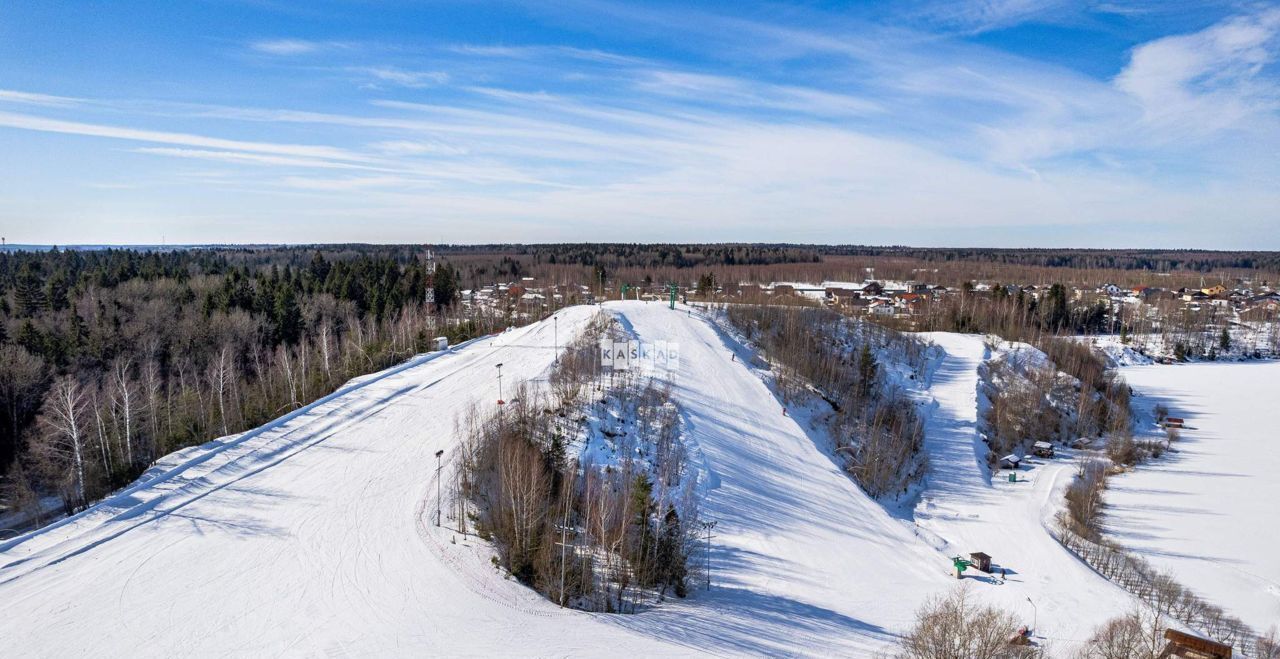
{"type": "Point", "coordinates": [312, 534]}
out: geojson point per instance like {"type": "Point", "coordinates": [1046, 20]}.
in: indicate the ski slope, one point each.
{"type": "Point", "coordinates": [964, 508]}
{"type": "Point", "coordinates": [312, 535]}
{"type": "Point", "coordinates": [1207, 513]}
{"type": "Point", "coordinates": [301, 538]}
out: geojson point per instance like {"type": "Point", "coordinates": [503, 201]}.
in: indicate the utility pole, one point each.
{"type": "Point", "coordinates": [707, 557]}
{"type": "Point", "coordinates": [499, 383]}
{"type": "Point", "coordinates": [439, 464]}
{"type": "Point", "coordinates": [555, 324]}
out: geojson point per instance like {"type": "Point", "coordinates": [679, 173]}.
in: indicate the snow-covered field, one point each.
{"type": "Point", "coordinates": [1208, 512]}
{"type": "Point", "coordinates": [312, 536]}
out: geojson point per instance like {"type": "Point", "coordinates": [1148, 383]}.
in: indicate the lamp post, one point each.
{"type": "Point", "coordinates": [1035, 614]}
{"type": "Point", "coordinates": [499, 383]}
{"type": "Point", "coordinates": [555, 324]}
{"type": "Point", "coordinates": [439, 464]}
{"type": "Point", "coordinates": [708, 526]}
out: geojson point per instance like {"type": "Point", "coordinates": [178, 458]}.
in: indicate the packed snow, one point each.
{"type": "Point", "coordinates": [1207, 510]}
{"type": "Point", "coordinates": [965, 508]}
{"type": "Point", "coordinates": [314, 534]}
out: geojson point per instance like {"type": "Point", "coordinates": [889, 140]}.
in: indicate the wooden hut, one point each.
{"type": "Point", "coordinates": [1042, 449]}
{"type": "Point", "coordinates": [981, 561]}
{"type": "Point", "coordinates": [1182, 644]}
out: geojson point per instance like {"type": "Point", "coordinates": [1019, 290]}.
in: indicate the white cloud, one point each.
{"type": "Point", "coordinates": [1200, 83]}
{"type": "Point", "coordinates": [976, 16]}
{"type": "Point", "coordinates": [413, 79]}
{"type": "Point", "coordinates": [416, 148]}
{"type": "Point", "coordinates": [28, 98]}
{"type": "Point", "coordinates": [247, 158]}
{"type": "Point", "coordinates": [285, 46]}
{"type": "Point", "coordinates": [44, 124]}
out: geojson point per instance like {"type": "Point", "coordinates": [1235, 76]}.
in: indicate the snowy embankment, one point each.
{"type": "Point", "coordinates": [965, 508]}
{"type": "Point", "coordinates": [1206, 511]}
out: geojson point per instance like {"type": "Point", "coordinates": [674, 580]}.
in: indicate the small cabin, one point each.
{"type": "Point", "coordinates": [440, 343]}
{"type": "Point", "coordinates": [1081, 442]}
{"type": "Point", "coordinates": [1182, 644]}
{"type": "Point", "coordinates": [981, 561]}
{"type": "Point", "coordinates": [1042, 449]}
{"type": "Point", "coordinates": [1173, 422]}
{"type": "Point", "coordinates": [1010, 461]}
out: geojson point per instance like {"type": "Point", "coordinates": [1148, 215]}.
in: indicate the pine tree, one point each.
{"type": "Point", "coordinates": [29, 293]}
{"type": "Point", "coordinates": [287, 316]}
{"type": "Point", "coordinates": [444, 286]}
{"type": "Point", "coordinates": [867, 369]}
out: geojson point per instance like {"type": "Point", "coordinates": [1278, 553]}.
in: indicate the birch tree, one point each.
{"type": "Point", "coordinates": [65, 437]}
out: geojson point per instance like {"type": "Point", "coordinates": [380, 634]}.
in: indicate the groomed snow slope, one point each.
{"type": "Point", "coordinates": [1207, 513]}
{"type": "Point", "coordinates": [964, 509]}
{"type": "Point", "coordinates": [309, 536]}
{"type": "Point", "coordinates": [301, 538]}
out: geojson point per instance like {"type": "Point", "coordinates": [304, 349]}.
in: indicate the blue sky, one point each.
{"type": "Point", "coordinates": [922, 122]}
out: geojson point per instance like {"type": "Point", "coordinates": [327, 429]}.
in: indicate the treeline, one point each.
{"type": "Point", "coordinates": [110, 359]}
{"type": "Point", "coordinates": [1015, 316]}
{"type": "Point", "coordinates": [592, 536]}
{"type": "Point", "coordinates": [1192, 260]}
{"type": "Point", "coordinates": [875, 425]}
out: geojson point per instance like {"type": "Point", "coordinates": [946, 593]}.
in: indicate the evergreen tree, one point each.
{"type": "Point", "coordinates": [287, 316]}
{"type": "Point", "coordinates": [28, 292]}
{"type": "Point", "coordinates": [444, 286]}
{"type": "Point", "coordinates": [867, 369]}
{"type": "Point", "coordinates": [706, 284]}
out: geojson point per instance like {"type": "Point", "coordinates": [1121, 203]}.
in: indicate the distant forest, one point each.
{"type": "Point", "coordinates": [112, 357]}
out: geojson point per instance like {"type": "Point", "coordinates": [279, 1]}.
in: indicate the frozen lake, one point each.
{"type": "Point", "coordinates": [1210, 512]}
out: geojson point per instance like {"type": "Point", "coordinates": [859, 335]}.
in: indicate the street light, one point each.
{"type": "Point", "coordinates": [499, 383]}
{"type": "Point", "coordinates": [438, 466]}
{"type": "Point", "coordinates": [1035, 614]}
{"type": "Point", "coordinates": [708, 526]}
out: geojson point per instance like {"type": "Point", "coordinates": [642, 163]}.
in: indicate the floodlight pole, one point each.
{"type": "Point", "coordinates": [439, 464]}
{"type": "Point", "coordinates": [1035, 615]}
{"type": "Point", "coordinates": [499, 383]}
{"type": "Point", "coordinates": [707, 557]}
{"type": "Point", "coordinates": [555, 324]}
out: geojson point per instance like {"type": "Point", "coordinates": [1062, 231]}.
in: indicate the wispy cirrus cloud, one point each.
{"type": "Point", "coordinates": [1207, 81]}
{"type": "Point", "coordinates": [403, 77]}
{"type": "Point", "coordinates": [45, 124]}
{"type": "Point", "coordinates": [29, 98]}
{"type": "Point", "coordinates": [783, 126]}
{"type": "Point", "coordinates": [286, 47]}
